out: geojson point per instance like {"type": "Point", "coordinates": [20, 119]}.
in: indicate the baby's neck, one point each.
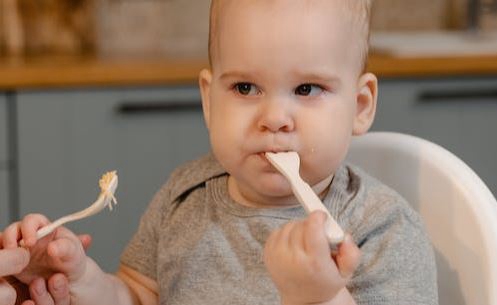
{"type": "Point", "coordinates": [321, 188]}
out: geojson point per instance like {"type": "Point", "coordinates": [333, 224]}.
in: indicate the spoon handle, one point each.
{"type": "Point", "coordinates": [311, 202]}
{"type": "Point", "coordinates": [96, 207]}
{"type": "Point", "coordinates": [51, 227]}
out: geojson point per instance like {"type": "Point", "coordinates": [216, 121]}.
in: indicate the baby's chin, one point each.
{"type": "Point", "coordinates": [276, 189]}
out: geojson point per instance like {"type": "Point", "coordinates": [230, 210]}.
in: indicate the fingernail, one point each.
{"type": "Point", "coordinates": [23, 257]}
{"type": "Point", "coordinates": [58, 284]}
{"type": "Point", "coordinates": [40, 288]}
{"type": "Point", "coordinates": [322, 215]}
{"type": "Point", "coordinates": [55, 251]}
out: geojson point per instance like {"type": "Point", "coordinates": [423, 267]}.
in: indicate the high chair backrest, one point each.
{"type": "Point", "coordinates": [459, 211]}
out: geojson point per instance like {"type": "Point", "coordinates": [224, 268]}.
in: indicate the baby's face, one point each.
{"type": "Point", "coordinates": [284, 78]}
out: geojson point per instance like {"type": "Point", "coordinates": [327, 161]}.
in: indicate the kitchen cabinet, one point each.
{"type": "Point", "coordinates": [459, 114]}
{"type": "Point", "coordinates": [4, 186]}
{"type": "Point", "coordinates": [4, 197]}
{"type": "Point", "coordinates": [3, 131]}
{"type": "Point", "coordinates": [68, 139]}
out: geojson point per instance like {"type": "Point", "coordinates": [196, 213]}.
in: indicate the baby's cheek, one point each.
{"type": "Point", "coordinates": [315, 171]}
{"type": "Point", "coordinates": [319, 164]}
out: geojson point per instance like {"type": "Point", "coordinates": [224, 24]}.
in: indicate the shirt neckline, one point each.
{"type": "Point", "coordinates": [217, 189]}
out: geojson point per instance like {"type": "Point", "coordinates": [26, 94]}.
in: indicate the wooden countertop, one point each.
{"type": "Point", "coordinates": [89, 71]}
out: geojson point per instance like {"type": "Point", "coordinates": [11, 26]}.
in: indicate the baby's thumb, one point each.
{"type": "Point", "coordinates": [65, 250]}
{"type": "Point", "coordinates": [348, 257]}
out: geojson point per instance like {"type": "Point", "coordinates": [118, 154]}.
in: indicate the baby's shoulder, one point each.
{"type": "Point", "coordinates": [193, 173]}
{"type": "Point", "coordinates": [376, 203]}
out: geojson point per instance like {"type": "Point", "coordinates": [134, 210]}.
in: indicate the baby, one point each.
{"type": "Point", "coordinates": [285, 75]}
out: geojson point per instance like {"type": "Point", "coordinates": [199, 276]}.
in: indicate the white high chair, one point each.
{"type": "Point", "coordinates": [459, 211]}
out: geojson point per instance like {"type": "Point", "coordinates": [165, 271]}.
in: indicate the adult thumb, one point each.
{"type": "Point", "coordinates": [12, 261]}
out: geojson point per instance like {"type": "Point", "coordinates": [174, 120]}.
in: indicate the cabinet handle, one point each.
{"type": "Point", "coordinates": [131, 107]}
{"type": "Point", "coordinates": [487, 94]}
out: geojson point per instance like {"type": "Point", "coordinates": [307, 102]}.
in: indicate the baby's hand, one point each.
{"type": "Point", "coordinates": [300, 263]}
{"type": "Point", "coordinates": [59, 252]}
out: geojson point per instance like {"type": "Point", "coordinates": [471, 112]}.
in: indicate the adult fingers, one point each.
{"type": "Point", "coordinates": [7, 293]}
{"type": "Point", "coordinates": [58, 286]}
{"type": "Point", "coordinates": [11, 235]}
{"type": "Point", "coordinates": [29, 225]}
{"type": "Point", "coordinates": [348, 257]}
{"type": "Point", "coordinates": [39, 293]}
{"type": "Point", "coordinates": [12, 261]}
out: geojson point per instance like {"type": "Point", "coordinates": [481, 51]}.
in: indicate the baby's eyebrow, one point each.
{"type": "Point", "coordinates": [236, 74]}
{"type": "Point", "coordinates": [318, 77]}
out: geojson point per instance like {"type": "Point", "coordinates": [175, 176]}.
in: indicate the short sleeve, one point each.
{"type": "Point", "coordinates": [397, 264]}
{"type": "Point", "coordinates": [141, 252]}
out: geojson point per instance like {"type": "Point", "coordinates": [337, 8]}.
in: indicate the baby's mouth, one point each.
{"type": "Point", "coordinates": [262, 154]}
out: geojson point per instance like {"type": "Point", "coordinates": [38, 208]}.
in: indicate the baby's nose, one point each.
{"type": "Point", "coordinates": [276, 116]}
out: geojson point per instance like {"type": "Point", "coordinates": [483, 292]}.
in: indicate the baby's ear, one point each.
{"type": "Point", "coordinates": [367, 94]}
{"type": "Point", "coordinates": [205, 80]}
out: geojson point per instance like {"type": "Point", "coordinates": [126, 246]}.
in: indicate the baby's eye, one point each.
{"type": "Point", "coordinates": [246, 89]}
{"type": "Point", "coordinates": [308, 90]}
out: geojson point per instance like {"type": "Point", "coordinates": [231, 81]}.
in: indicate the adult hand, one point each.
{"type": "Point", "coordinates": [12, 261]}
{"type": "Point", "coordinates": [59, 252]}
{"type": "Point", "coordinates": [55, 291]}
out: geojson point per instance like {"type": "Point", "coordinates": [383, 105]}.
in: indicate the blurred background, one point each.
{"type": "Point", "coordinates": [179, 27]}
{"type": "Point", "coordinates": [88, 86]}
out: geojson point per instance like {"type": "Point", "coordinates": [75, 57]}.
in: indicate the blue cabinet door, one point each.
{"type": "Point", "coordinates": [68, 139]}
{"type": "Point", "coordinates": [4, 186]}
{"type": "Point", "coordinates": [3, 131]}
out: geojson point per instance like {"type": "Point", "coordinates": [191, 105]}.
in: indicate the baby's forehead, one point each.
{"type": "Point", "coordinates": [353, 13]}
{"type": "Point", "coordinates": [355, 9]}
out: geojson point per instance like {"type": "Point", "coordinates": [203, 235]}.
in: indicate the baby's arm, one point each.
{"type": "Point", "coordinates": [127, 287]}
{"type": "Point", "coordinates": [62, 252]}
{"type": "Point", "coordinates": [300, 263]}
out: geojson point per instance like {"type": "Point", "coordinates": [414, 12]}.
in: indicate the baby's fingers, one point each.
{"type": "Point", "coordinates": [315, 240]}
{"type": "Point", "coordinates": [85, 241]}
{"type": "Point", "coordinates": [7, 293]}
{"type": "Point", "coordinates": [348, 257]}
{"type": "Point", "coordinates": [58, 287]}
{"type": "Point", "coordinates": [64, 250]}
{"type": "Point", "coordinates": [39, 293]}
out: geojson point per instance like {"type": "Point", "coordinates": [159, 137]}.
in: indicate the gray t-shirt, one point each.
{"type": "Point", "coordinates": [204, 248]}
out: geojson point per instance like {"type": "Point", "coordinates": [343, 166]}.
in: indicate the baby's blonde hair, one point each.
{"type": "Point", "coordinates": [360, 14]}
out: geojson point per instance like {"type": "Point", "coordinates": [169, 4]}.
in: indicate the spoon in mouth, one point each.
{"type": "Point", "coordinates": [288, 164]}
